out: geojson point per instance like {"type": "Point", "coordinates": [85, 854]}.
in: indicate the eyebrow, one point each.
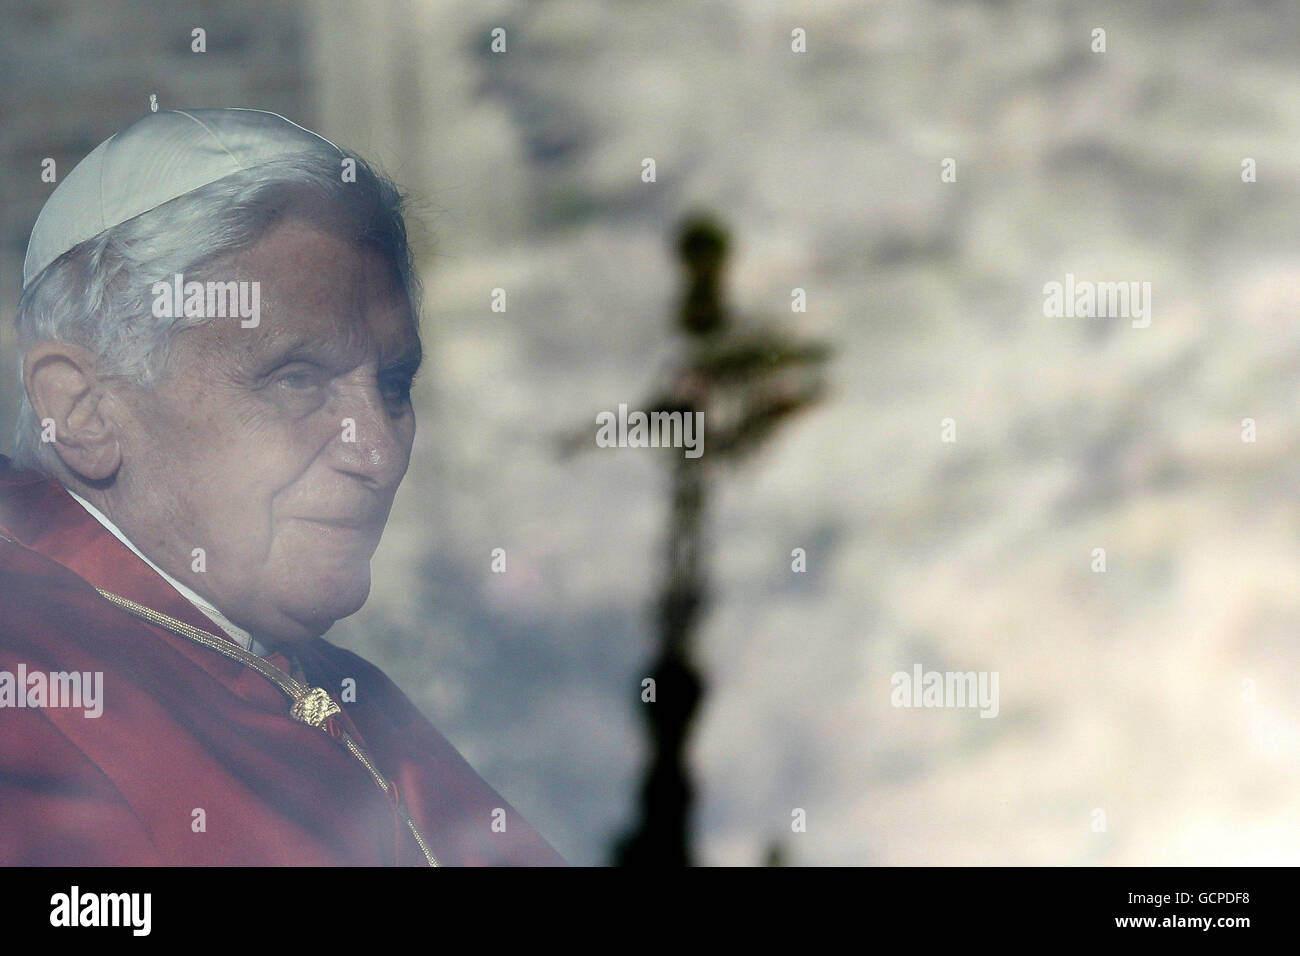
{"type": "Point", "coordinates": [409, 361]}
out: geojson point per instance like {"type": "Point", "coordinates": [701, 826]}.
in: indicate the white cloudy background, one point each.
{"type": "Point", "coordinates": [1123, 691]}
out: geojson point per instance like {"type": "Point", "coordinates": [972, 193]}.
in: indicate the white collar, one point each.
{"type": "Point", "coordinates": [238, 633]}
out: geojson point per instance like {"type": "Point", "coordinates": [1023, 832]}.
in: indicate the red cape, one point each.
{"type": "Point", "coordinates": [185, 729]}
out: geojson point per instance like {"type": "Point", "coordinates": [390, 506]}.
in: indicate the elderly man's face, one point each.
{"type": "Point", "coordinates": [241, 449]}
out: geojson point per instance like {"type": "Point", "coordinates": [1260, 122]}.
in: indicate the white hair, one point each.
{"type": "Point", "coordinates": [97, 294]}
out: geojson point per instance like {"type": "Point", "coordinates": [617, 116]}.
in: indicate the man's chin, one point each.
{"type": "Point", "coordinates": [305, 617]}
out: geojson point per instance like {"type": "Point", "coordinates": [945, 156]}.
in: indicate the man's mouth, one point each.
{"type": "Point", "coordinates": [344, 524]}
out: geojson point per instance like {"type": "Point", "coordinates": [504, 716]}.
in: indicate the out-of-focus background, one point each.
{"type": "Point", "coordinates": [1163, 693]}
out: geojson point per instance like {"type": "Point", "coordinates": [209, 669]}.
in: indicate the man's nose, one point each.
{"type": "Point", "coordinates": [369, 444]}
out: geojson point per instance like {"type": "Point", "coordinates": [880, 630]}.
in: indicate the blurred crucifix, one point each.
{"type": "Point", "coordinates": [747, 380]}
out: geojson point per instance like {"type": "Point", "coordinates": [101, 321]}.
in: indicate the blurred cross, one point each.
{"type": "Point", "coordinates": [746, 380]}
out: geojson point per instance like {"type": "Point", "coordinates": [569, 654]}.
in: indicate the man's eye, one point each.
{"type": "Point", "coordinates": [396, 390]}
{"type": "Point", "coordinates": [298, 381]}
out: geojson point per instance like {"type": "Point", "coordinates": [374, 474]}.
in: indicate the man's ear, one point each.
{"type": "Point", "coordinates": [70, 401]}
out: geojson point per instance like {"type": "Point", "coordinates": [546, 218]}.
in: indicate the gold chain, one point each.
{"type": "Point", "coordinates": [311, 705]}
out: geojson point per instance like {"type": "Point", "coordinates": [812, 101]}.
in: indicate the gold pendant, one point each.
{"type": "Point", "coordinates": [314, 707]}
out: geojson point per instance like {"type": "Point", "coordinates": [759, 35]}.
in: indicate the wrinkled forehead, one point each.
{"type": "Point", "coordinates": [314, 290]}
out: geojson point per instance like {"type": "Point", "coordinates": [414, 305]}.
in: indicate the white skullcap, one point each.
{"type": "Point", "coordinates": [154, 160]}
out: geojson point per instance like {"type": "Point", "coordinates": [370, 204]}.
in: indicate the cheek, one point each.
{"type": "Point", "coordinates": [230, 471]}
{"type": "Point", "coordinates": [246, 441]}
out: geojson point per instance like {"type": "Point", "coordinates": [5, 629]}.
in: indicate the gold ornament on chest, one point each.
{"type": "Point", "coordinates": [314, 707]}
